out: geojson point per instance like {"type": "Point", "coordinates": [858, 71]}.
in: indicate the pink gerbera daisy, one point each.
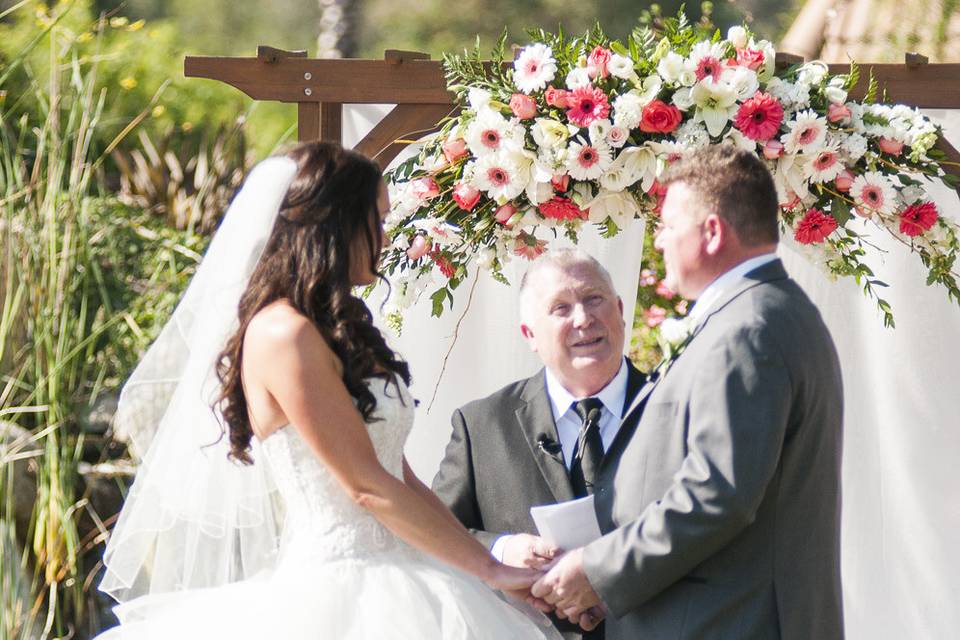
{"type": "Point", "coordinates": [709, 66]}
{"type": "Point", "coordinates": [918, 218]}
{"type": "Point", "coordinates": [759, 118]}
{"type": "Point", "coordinates": [815, 227]}
{"type": "Point", "coordinates": [587, 104]}
{"type": "Point", "coordinates": [529, 247]}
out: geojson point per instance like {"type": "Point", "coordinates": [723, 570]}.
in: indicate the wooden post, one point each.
{"type": "Point", "coordinates": [308, 121]}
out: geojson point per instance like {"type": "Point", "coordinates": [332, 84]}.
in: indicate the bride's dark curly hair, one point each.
{"type": "Point", "coordinates": [328, 216]}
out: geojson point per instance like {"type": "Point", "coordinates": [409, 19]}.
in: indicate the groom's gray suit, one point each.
{"type": "Point", "coordinates": [722, 511]}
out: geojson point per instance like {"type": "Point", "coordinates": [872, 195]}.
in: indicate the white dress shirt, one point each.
{"type": "Point", "coordinates": [613, 397]}
{"type": "Point", "coordinates": [718, 287]}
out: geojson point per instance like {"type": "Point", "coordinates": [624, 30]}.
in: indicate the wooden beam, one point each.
{"type": "Point", "coordinates": [405, 122]}
{"type": "Point", "coordinates": [331, 122]}
{"type": "Point", "coordinates": [344, 81]}
{"type": "Point", "coordinates": [308, 121]}
{"type": "Point", "coordinates": [927, 86]}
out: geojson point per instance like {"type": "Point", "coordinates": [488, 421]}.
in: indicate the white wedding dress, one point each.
{"type": "Point", "coordinates": [341, 574]}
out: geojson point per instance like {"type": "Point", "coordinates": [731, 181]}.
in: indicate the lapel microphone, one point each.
{"type": "Point", "coordinates": [548, 445]}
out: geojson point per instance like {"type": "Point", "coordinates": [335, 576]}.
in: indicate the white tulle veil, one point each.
{"type": "Point", "coordinates": [193, 518]}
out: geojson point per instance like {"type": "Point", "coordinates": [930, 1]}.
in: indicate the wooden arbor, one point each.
{"type": "Point", "coordinates": [417, 86]}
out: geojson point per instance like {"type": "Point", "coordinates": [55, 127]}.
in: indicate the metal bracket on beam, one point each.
{"type": "Point", "coordinates": [916, 59]}
{"type": "Point", "coordinates": [272, 54]}
{"type": "Point", "coordinates": [398, 56]}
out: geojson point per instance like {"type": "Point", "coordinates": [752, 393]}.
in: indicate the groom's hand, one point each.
{"type": "Point", "coordinates": [566, 587]}
{"type": "Point", "coordinates": [525, 550]}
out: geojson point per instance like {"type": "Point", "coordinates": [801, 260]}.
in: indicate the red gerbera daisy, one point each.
{"type": "Point", "coordinates": [918, 218]}
{"type": "Point", "coordinates": [815, 227]}
{"type": "Point", "coordinates": [759, 118]}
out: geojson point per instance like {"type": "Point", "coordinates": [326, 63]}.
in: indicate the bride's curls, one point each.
{"type": "Point", "coordinates": [328, 223]}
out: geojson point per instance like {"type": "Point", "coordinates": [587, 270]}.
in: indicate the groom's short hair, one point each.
{"type": "Point", "coordinates": [560, 259]}
{"type": "Point", "coordinates": [736, 185]}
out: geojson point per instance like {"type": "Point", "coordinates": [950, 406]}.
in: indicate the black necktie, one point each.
{"type": "Point", "coordinates": [588, 451]}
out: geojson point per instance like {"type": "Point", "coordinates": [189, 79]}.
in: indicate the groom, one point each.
{"type": "Point", "coordinates": [518, 448]}
{"type": "Point", "coordinates": [722, 512]}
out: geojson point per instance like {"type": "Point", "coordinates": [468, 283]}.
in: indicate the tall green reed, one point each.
{"type": "Point", "coordinates": [56, 311]}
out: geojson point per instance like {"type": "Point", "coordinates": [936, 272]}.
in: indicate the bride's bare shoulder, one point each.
{"type": "Point", "coordinates": [279, 328]}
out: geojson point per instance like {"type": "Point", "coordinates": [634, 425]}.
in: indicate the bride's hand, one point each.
{"type": "Point", "coordinates": [513, 581]}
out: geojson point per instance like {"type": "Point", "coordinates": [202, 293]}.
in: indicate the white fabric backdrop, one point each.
{"type": "Point", "coordinates": [901, 567]}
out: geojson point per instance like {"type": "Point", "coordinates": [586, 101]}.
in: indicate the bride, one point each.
{"type": "Point", "coordinates": [315, 526]}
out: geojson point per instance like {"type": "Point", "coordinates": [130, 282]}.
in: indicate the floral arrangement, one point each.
{"type": "Point", "coordinates": [577, 132]}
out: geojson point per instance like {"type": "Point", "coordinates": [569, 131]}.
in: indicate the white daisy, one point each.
{"type": "Point", "coordinates": [587, 161]}
{"type": "Point", "coordinates": [534, 68]}
{"type": "Point", "coordinates": [873, 192]}
{"type": "Point", "coordinates": [490, 132]}
{"type": "Point", "coordinates": [824, 165]}
{"type": "Point", "coordinates": [503, 176]}
{"type": "Point", "coordinates": [806, 133]}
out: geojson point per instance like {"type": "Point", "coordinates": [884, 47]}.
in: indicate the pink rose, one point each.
{"type": "Point", "coordinates": [454, 149]}
{"type": "Point", "coordinates": [893, 147]}
{"type": "Point", "coordinates": [597, 62]}
{"type": "Point", "coordinates": [523, 106]}
{"type": "Point", "coordinates": [505, 214]}
{"type": "Point", "coordinates": [660, 117]}
{"type": "Point", "coordinates": [837, 112]}
{"type": "Point", "coordinates": [844, 181]}
{"type": "Point", "coordinates": [466, 196]}
{"type": "Point", "coordinates": [792, 201]}
{"type": "Point", "coordinates": [772, 149]}
{"type": "Point", "coordinates": [419, 247]}
{"type": "Point", "coordinates": [426, 188]}
{"type": "Point", "coordinates": [560, 183]}
{"type": "Point", "coordinates": [556, 97]}
{"type": "Point", "coordinates": [750, 58]}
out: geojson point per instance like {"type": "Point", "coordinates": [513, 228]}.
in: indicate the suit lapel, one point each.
{"type": "Point", "coordinates": [536, 420]}
{"type": "Point", "coordinates": [772, 270]}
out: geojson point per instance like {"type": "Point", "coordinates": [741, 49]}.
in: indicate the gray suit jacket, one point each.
{"type": "Point", "coordinates": [504, 457]}
{"type": "Point", "coordinates": [721, 512]}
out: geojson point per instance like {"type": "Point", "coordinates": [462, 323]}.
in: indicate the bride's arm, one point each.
{"type": "Point", "coordinates": [415, 483]}
{"type": "Point", "coordinates": [299, 370]}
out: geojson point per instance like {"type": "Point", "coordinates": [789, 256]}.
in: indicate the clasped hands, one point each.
{"type": "Point", "coordinates": [564, 587]}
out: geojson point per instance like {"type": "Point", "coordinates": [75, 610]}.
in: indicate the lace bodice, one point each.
{"type": "Point", "coordinates": [321, 518]}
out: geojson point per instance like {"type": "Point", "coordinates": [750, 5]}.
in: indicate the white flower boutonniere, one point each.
{"type": "Point", "coordinates": [675, 334]}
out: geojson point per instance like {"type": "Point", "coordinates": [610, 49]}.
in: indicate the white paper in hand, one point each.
{"type": "Point", "coordinates": [569, 525]}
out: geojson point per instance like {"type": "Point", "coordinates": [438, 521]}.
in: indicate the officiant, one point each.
{"type": "Point", "coordinates": [539, 440]}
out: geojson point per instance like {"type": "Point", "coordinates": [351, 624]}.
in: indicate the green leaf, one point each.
{"type": "Point", "coordinates": [437, 298]}
{"type": "Point", "coordinates": [840, 211]}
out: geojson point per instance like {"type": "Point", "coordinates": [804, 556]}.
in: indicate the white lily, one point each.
{"type": "Point", "coordinates": [716, 103]}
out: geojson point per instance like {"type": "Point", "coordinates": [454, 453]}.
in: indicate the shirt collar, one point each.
{"type": "Point", "coordinates": [612, 396]}
{"type": "Point", "coordinates": [715, 289]}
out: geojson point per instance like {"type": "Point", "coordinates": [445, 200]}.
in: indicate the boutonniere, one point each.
{"type": "Point", "coordinates": [674, 336]}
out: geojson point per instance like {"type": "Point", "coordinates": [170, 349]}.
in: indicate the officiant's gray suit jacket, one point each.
{"type": "Point", "coordinates": [504, 457]}
{"type": "Point", "coordinates": [721, 511]}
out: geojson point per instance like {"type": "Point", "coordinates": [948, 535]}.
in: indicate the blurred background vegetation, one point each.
{"type": "Point", "coordinates": [114, 169]}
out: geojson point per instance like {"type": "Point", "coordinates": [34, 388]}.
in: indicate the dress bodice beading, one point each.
{"type": "Point", "coordinates": [321, 519]}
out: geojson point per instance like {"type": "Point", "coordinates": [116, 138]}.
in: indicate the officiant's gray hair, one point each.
{"type": "Point", "coordinates": [561, 259]}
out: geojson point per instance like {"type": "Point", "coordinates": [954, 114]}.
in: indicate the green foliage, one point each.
{"type": "Point", "coordinates": [85, 284]}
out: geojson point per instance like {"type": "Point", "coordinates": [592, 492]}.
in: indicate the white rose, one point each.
{"type": "Point", "coordinates": [737, 37]}
{"type": "Point", "coordinates": [812, 73]}
{"type": "Point", "coordinates": [675, 330]}
{"type": "Point", "coordinates": [549, 133]}
{"type": "Point", "coordinates": [486, 257]}
{"type": "Point", "coordinates": [683, 98]}
{"type": "Point", "coordinates": [688, 77]}
{"type": "Point", "coordinates": [620, 67]}
{"type": "Point", "coordinates": [617, 136]}
{"type": "Point", "coordinates": [671, 66]}
{"type": "Point", "coordinates": [835, 95]}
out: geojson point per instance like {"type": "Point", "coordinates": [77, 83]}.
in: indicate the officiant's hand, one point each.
{"type": "Point", "coordinates": [566, 587]}
{"type": "Point", "coordinates": [525, 550]}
